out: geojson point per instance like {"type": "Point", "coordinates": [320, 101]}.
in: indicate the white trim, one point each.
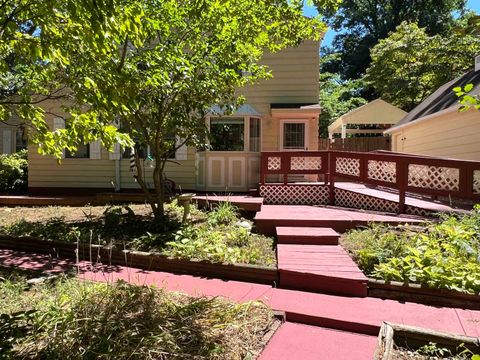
{"type": "Point", "coordinates": [422, 119]}
{"type": "Point", "coordinates": [295, 121]}
{"type": "Point", "coordinates": [243, 169]}
{"type": "Point", "coordinates": [210, 172]}
{"type": "Point", "coordinates": [253, 178]}
{"type": "Point", "coordinates": [58, 124]}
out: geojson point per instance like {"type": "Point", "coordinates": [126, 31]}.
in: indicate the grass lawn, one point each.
{"type": "Point", "coordinates": [440, 255]}
{"type": "Point", "coordinates": [218, 236]}
{"type": "Point", "coordinates": [72, 319]}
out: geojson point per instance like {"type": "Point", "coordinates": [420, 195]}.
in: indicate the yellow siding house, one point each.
{"type": "Point", "coordinates": [280, 114]}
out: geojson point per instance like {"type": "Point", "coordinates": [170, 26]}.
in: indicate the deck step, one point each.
{"type": "Point", "coordinates": [320, 268]}
{"type": "Point", "coordinates": [341, 220]}
{"type": "Point", "coordinates": [307, 235]}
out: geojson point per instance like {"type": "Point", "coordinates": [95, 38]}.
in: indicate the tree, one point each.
{"type": "Point", "coordinates": [337, 97]}
{"type": "Point", "coordinates": [187, 57]}
{"type": "Point", "coordinates": [362, 23]}
{"type": "Point", "coordinates": [409, 65]}
{"type": "Point", "coordinates": [38, 41]}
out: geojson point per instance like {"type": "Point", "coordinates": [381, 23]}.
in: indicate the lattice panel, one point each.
{"type": "Point", "coordinates": [433, 177]}
{"type": "Point", "coordinates": [349, 199]}
{"type": "Point", "coordinates": [413, 210]}
{"type": "Point", "coordinates": [274, 163]}
{"type": "Point", "coordinates": [476, 182]}
{"type": "Point", "coordinates": [294, 194]}
{"type": "Point", "coordinates": [306, 163]}
{"type": "Point", "coordinates": [348, 166]}
{"type": "Point", "coordinates": [382, 171]}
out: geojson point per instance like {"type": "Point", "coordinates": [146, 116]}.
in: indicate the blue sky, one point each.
{"type": "Point", "coordinates": [472, 4]}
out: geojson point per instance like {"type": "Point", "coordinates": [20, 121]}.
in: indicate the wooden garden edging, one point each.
{"type": "Point", "coordinates": [142, 260]}
{"type": "Point", "coordinates": [415, 337]}
{"type": "Point", "coordinates": [420, 294]}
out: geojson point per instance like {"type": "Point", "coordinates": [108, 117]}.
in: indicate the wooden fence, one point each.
{"type": "Point", "coordinates": [364, 144]}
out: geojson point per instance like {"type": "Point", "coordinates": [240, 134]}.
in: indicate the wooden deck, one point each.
{"type": "Point", "coordinates": [320, 268]}
{"type": "Point", "coordinates": [271, 216]}
{"type": "Point", "coordinates": [245, 203]}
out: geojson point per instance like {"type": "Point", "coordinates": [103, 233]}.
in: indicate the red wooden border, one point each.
{"type": "Point", "coordinates": [142, 260]}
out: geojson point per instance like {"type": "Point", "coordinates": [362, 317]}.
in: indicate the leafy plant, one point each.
{"type": "Point", "coordinates": [223, 213]}
{"type": "Point", "coordinates": [14, 171]}
{"type": "Point", "coordinates": [444, 255]}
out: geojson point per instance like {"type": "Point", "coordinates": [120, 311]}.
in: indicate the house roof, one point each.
{"type": "Point", "coordinates": [442, 99]}
{"type": "Point", "coordinates": [375, 112]}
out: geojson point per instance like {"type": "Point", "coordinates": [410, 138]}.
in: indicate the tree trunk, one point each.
{"type": "Point", "coordinates": [148, 195]}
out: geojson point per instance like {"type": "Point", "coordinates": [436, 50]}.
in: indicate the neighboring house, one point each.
{"type": "Point", "coordinates": [12, 137]}
{"type": "Point", "coordinates": [437, 128]}
{"type": "Point", "coordinates": [280, 114]}
{"type": "Point", "coordinates": [371, 118]}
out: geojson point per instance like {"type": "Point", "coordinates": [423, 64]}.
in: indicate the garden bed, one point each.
{"type": "Point", "coordinates": [401, 342]}
{"type": "Point", "coordinates": [73, 319]}
{"type": "Point", "coordinates": [219, 236]}
{"type": "Point", "coordinates": [105, 255]}
{"type": "Point", "coordinates": [437, 263]}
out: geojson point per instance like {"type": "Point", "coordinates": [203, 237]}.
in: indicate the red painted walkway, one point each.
{"type": "Point", "coordinates": [271, 216]}
{"type": "Point", "coordinates": [303, 342]}
{"type": "Point", "coordinates": [320, 268]}
{"type": "Point", "coordinates": [357, 315]}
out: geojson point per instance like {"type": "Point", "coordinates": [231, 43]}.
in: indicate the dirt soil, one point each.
{"type": "Point", "coordinates": [10, 215]}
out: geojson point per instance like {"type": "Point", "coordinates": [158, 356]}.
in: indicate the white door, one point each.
{"type": "Point", "coordinates": [294, 135]}
{"type": "Point", "coordinates": [7, 141]}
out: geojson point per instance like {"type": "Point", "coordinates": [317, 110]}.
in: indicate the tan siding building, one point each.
{"type": "Point", "coordinates": [436, 127]}
{"type": "Point", "coordinates": [277, 116]}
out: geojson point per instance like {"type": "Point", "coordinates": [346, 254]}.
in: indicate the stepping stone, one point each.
{"type": "Point", "coordinates": [320, 268]}
{"type": "Point", "coordinates": [307, 235]}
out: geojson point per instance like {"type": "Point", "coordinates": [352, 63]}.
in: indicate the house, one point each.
{"type": "Point", "coordinates": [436, 127]}
{"type": "Point", "coordinates": [376, 115]}
{"type": "Point", "coordinates": [280, 114]}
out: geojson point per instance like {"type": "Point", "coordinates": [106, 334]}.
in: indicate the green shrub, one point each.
{"type": "Point", "coordinates": [14, 171]}
{"type": "Point", "coordinates": [444, 255]}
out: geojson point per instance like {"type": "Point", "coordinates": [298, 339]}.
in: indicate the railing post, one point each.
{"type": "Point", "coordinates": [285, 167]}
{"type": "Point", "coordinates": [331, 177]}
{"type": "Point", "coordinates": [402, 178]}
{"type": "Point", "coordinates": [263, 168]}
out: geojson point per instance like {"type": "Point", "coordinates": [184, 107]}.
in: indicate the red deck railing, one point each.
{"type": "Point", "coordinates": [404, 172]}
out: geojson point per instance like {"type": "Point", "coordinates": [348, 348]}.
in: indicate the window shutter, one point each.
{"type": "Point", "coordinates": [115, 154]}
{"type": "Point", "coordinates": [95, 150]}
{"type": "Point", "coordinates": [181, 153]}
{"type": "Point", "coordinates": [59, 123]}
{"type": "Point", "coordinates": [7, 141]}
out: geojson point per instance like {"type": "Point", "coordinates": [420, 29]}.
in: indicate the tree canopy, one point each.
{"type": "Point", "coordinates": [40, 44]}
{"type": "Point", "coordinates": [337, 97]}
{"type": "Point", "coordinates": [410, 64]}
{"type": "Point", "coordinates": [362, 23]}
